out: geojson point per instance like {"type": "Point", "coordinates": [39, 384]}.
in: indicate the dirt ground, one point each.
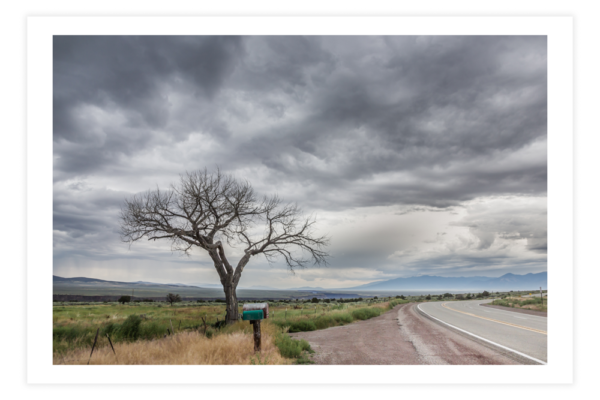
{"type": "Point", "coordinates": [399, 337]}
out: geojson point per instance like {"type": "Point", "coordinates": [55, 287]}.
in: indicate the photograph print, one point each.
{"type": "Point", "coordinates": [317, 200]}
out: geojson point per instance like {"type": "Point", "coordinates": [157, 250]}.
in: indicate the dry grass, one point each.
{"type": "Point", "coordinates": [185, 348]}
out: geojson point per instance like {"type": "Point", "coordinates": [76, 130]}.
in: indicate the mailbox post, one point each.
{"type": "Point", "coordinates": [254, 312]}
{"type": "Point", "coordinates": [257, 341]}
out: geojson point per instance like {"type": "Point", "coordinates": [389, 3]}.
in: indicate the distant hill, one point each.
{"type": "Point", "coordinates": [91, 289]}
{"type": "Point", "coordinates": [428, 282]}
{"type": "Point", "coordinates": [92, 281]}
{"type": "Point", "coordinates": [207, 285]}
{"type": "Point", "coordinates": [307, 288]}
{"type": "Point", "coordinates": [258, 287]}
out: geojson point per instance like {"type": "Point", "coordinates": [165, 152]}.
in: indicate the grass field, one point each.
{"type": "Point", "coordinates": [137, 331]}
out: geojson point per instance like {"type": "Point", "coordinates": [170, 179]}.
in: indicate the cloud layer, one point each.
{"type": "Point", "coordinates": [449, 132]}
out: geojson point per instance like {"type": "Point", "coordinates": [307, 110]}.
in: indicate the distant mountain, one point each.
{"type": "Point", "coordinates": [174, 284]}
{"type": "Point", "coordinates": [427, 282]}
{"type": "Point", "coordinates": [79, 279]}
{"type": "Point", "coordinates": [259, 287]}
{"type": "Point", "coordinates": [307, 288]}
{"type": "Point", "coordinates": [207, 285]}
{"type": "Point", "coordinates": [92, 281]}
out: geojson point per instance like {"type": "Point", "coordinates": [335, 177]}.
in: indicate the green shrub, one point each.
{"type": "Point", "coordinates": [394, 303]}
{"type": "Point", "coordinates": [324, 321]}
{"type": "Point", "coordinates": [342, 318]}
{"type": "Point", "coordinates": [302, 326]}
{"type": "Point", "coordinates": [366, 313]}
{"type": "Point", "coordinates": [290, 348]}
{"type": "Point", "coordinates": [76, 332]}
{"type": "Point", "coordinates": [110, 329]}
{"type": "Point", "coordinates": [130, 329]}
{"type": "Point", "coordinates": [153, 329]}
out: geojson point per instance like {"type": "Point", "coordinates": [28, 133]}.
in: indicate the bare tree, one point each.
{"type": "Point", "coordinates": [205, 209]}
{"type": "Point", "coordinates": [173, 298]}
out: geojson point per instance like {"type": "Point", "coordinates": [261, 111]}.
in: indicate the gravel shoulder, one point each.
{"type": "Point", "coordinates": [401, 336]}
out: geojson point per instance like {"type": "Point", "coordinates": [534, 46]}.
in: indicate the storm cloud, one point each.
{"type": "Point", "coordinates": [418, 154]}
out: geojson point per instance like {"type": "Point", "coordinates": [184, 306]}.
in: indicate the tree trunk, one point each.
{"type": "Point", "coordinates": [231, 304]}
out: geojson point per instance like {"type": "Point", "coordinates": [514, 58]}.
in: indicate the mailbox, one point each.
{"type": "Point", "coordinates": [264, 307]}
{"type": "Point", "coordinates": [252, 315]}
{"type": "Point", "coordinates": [254, 312]}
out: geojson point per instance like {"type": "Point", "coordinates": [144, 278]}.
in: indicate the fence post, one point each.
{"type": "Point", "coordinates": [111, 346]}
{"type": "Point", "coordinates": [94, 345]}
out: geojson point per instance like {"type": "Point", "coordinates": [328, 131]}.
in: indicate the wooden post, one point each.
{"type": "Point", "coordinates": [94, 345]}
{"type": "Point", "coordinates": [111, 346]}
{"type": "Point", "coordinates": [204, 323]}
{"type": "Point", "coordinates": [256, 325]}
{"type": "Point", "coordinates": [541, 295]}
{"type": "Point", "coordinates": [172, 330]}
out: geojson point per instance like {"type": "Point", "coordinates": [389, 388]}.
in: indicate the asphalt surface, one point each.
{"type": "Point", "coordinates": [523, 333]}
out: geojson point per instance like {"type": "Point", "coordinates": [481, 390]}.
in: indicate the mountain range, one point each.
{"type": "Point", "coordinates": [93, 281]}
{"type": "Point", "coordinates": [427, 282]}
{"type": "Point", "coordinates": [424, 282]}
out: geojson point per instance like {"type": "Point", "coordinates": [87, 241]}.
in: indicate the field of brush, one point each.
{"type": "Point", "coordinates": [530, 303]}
{"type": "Point", "coordinates": [189, 333]}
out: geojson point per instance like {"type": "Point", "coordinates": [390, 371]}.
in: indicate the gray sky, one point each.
{"type": "Point", "coordinates": [418, 155]}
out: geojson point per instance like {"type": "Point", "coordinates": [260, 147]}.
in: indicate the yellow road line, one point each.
{"type": "Point", "coordinates": [499, 322]}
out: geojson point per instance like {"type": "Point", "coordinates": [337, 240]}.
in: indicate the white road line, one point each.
{"type": "Point", "coordinates": [514, 312]}
{"type": "Point", "coordinates": [510, 314]}
{"type": "Point", "coordinates": [485, 340]}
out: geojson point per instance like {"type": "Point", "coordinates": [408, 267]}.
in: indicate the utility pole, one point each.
{"type": "Point", "coordinates": [541, 296]}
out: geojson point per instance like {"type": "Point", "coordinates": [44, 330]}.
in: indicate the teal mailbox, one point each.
{"type": "Point", "coordinates": [252, 315]}
{"type": "Point", "coordinates": [255, 312]}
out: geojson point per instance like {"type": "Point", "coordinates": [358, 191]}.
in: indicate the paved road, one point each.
{"type": "Point", "coordinates": [521, 332]}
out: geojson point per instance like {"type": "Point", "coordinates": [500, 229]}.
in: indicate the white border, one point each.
{"type": "Point", "coordinates": [39, 200]}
